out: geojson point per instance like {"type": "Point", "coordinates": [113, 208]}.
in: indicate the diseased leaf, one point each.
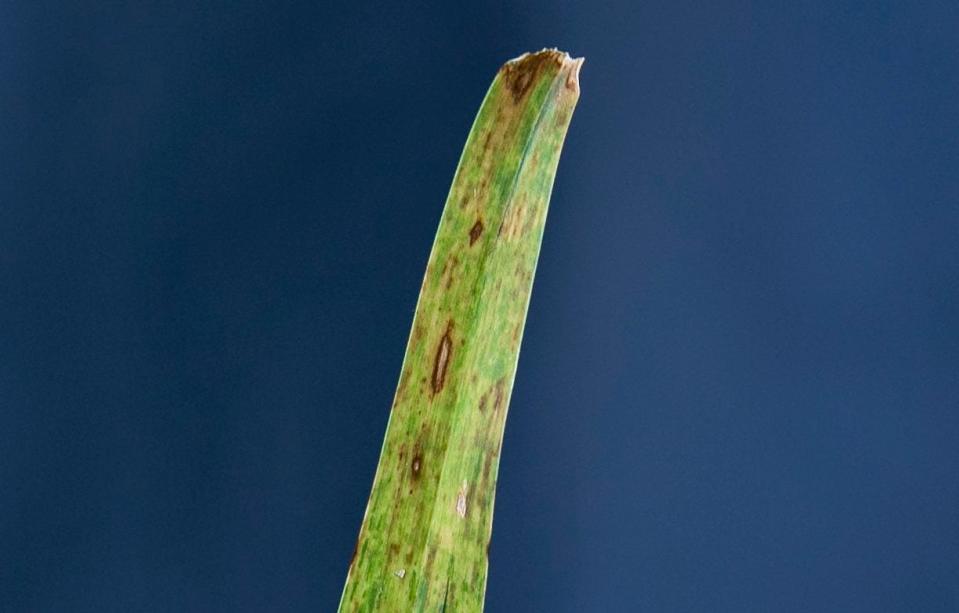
{"type": "Point", "coordinates": [424, 539]}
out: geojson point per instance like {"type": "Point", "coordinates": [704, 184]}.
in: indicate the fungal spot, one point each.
{"type": "Point", "coordinates": [440, 364]}
{"type": "Point", "coordinates": [476, 231]}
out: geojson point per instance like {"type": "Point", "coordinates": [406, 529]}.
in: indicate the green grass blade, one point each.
{"type": "Point", "coordinates": [424, 539]}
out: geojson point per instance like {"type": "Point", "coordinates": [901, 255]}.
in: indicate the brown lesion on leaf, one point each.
{"type": "Point", "coordinates": [444, 352]}
{"type": "Point", "coordinates": [487, 468]}
{"type": "Point", "coordinates": [499, 395]}
{"type": "Point", "coordinates": [572, 77]}
{"type": "Point", "coordinates": [448, 274]}
{"type": "Point", "coordinates": [401, 388]}
{"type": "Point", "coordinates": [521, 73]}
{"type": "Point", "coordinates": [356, 548]}
{"type": "Point", "coordinates": [430, 558]}
{"type": "Point", "coordinates": [416, 466]}
{"type": "Point", "coordinates": [476, 231]}
{"type": "Point", "coordinates": [517, 331]}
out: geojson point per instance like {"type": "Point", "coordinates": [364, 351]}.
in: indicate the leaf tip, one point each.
{"type": "Point", "coordinates": [520, 72]}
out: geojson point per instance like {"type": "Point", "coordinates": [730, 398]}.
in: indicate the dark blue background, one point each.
{"type": "Point", "coordinates": [739, 388]}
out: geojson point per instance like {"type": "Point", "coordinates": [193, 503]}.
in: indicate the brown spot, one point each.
{"type": "Point", "coordinates": [467, 189]}
{"type": "Point", "coordinates": [447, 275]}
{"type": "Point", "coordinates": [448, 271]}
{"type": "Point", "coordinates": [430, 558]}
{"type": "Point", "coordinates": [486, 140]}
{"type": "Point", "coordinates": [498, 395]}
{"type": "Point", "coordinates": [356, 548]}
{"type": "Point", "coordinates": [394, 549]}
{"type": "Point", "coordinates": [520, 83]}
{"type": "Point", "coordinates": [441, 363]}
{"type": "Point", "coordinates": [482, 403]}
{"type": "Point", "coordinates": [401, 388]}
{"type": "Point", "coordinates": [475, 231]}
{"type": "Point", "coordinates": [416, 466]}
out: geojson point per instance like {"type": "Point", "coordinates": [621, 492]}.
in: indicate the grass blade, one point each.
{"type": "Point", "coordinates": [424, 539]}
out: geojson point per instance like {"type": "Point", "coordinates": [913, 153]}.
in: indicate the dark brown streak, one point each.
{"type": "Point", "coordinates": [476, 231]}
{"type": "Point", "coordinates": [356, 548]}
{"type": "Point", "coordinates": [443, 353]}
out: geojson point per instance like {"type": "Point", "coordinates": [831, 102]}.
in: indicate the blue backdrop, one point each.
{"type": "Point", "coordinates": [739, 387]}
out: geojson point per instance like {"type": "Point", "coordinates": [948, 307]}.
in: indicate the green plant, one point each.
{"type": "Point", "coordinates": [424, 539]}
